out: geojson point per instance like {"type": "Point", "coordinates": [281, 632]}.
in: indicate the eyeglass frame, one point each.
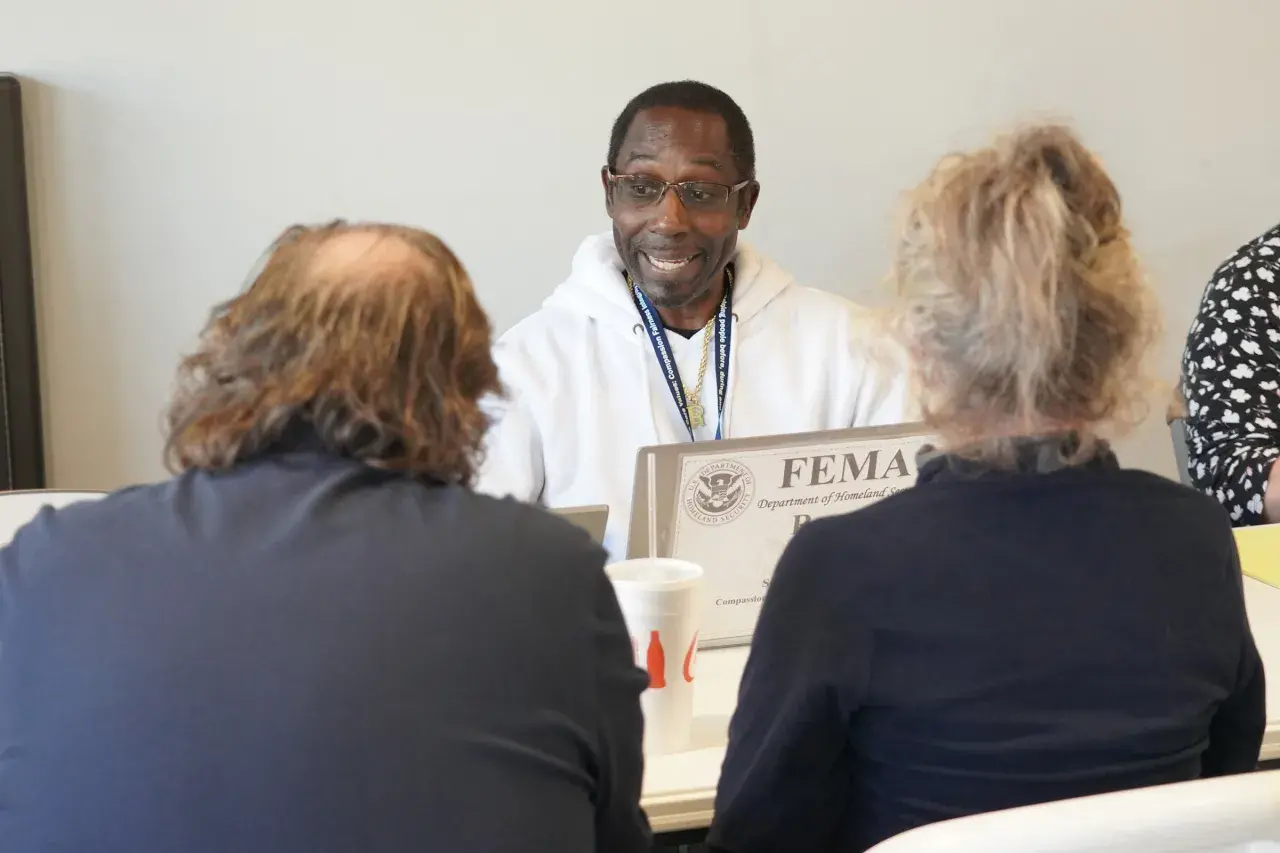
{"type": "Point", "coordinates": [667, 186]}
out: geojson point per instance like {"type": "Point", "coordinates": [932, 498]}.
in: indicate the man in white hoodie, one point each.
{"type": "Point", "coordinates": [669, 329]}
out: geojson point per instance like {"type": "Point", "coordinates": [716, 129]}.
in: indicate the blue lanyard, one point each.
{"type": "Point", "coordinates": [666, 361]}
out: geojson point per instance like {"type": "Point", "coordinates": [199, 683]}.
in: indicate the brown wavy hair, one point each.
{"type": "Point", "coordinates": [367, 337]}
{"type": "Point", "coordinates": [1022, 303]}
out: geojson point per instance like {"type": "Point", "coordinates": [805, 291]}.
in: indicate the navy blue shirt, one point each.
{"type": "Point", "coordinates": [988, 640]}
{"type": "Point", "coordinates": [307, 655]}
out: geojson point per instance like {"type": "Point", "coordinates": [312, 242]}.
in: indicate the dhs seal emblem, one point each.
{"type": "Point", "coordinates": [719, 493]}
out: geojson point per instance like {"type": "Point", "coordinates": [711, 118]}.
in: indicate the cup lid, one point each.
{"type": "Point", "coordinates": [660, 572]}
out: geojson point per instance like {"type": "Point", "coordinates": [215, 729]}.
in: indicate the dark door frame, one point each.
{"type": "Point", "coordinates": [21, 421]}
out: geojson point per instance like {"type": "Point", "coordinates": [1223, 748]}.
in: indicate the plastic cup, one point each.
{"type": "Point", "coordinates": [660, 603]}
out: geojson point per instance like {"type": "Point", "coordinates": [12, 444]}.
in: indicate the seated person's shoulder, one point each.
{"type": "Point", "coordinates": [839, 540]}
{"type": "Point", "coordinates": [855, 324]}
{"type": "Point", "coordinates": [540, 348]}
{"type": "Point", "coordinates": [876, 519]}
{"type": "Point", "coordinates": [1255, 266]}
{"type": "Point", "coordinates": [98, 512]}
{"type": "Point", "coordinates": [1261, 251]}
{"type": "Point", "coordinates": [542, 331]}
{"type": "Point", "coordinates": [69, 532]}
{"type": "Point", "coordinates": [840, 568]}
{"type": "Point", "coordinates": [831, 307]}
{"type": "Point", "coordinates": [534, 533]}
{"type": "Point", "coordinates": [1191, 504]}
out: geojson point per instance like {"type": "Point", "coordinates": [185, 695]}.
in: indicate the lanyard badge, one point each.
{"type": "Point", "coordinates": [667, 362]}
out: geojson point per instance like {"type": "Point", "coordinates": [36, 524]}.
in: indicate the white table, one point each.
{"type": "Point", "coordinates": [679, 790]}
{"type": "Point", "coordinates": [1264, 619]}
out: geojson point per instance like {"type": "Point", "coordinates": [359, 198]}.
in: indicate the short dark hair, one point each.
{"type": "Point", "coordinates": [698, 97]}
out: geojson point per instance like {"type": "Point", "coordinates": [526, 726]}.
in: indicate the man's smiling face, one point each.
{"type": "Point", "coordinates": [677, 255]}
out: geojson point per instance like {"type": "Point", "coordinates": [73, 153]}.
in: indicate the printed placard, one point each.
{"type": "Point", "coordinates": [732, 506]}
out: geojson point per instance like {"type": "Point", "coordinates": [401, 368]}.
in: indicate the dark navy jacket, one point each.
{"type": "Point", "coordinates": [307, 655]}
{"type": "Point", "coordinates": [987, 640]}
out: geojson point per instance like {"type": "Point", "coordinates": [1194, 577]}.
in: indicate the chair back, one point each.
{"type": "Point", "coordinates": [1176, 418]}
{"type": "Point", "coordinates": [17, 508]}
{"type": "Point", "coordinates": [1178, 434]}
{"type": "Point", "coordinates": [1231, 814]}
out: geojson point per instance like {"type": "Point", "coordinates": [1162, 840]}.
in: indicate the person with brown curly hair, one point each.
{"type": "Point", "coordinates": [1031, 622]}
{"type": "Point", "coordinates": [316, 637]}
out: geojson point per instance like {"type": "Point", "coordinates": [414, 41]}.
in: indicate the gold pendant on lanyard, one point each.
{"type": "Point", "coordinates": [693, 397]}
{"type": "Point", "coordinates": [694, 411]}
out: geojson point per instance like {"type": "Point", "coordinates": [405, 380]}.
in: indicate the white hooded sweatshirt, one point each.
{"type": "Point", "coordinates": [585, 391]}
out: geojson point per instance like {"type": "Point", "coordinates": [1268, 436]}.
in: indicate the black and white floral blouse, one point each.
{"type": "Point", "coordinates": [1231, 379]}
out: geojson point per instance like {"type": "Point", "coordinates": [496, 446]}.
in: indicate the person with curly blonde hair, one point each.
{"type": "Point", "coordinates": [1030, 622]}
{"type": "Point", "coordinates": [316, 637]}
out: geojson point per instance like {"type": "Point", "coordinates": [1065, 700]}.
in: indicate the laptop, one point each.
{"type": "Point", "coordinates": [590, 518]}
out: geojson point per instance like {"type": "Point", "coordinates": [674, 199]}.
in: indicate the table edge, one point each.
{"type": "Point", "coordinates": [691, 809]}
{"type": "Point", "coordinates": [695, 808]}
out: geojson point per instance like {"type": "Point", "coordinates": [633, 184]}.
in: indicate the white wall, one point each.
{"type": "Point", "coordinates": [171, 141]}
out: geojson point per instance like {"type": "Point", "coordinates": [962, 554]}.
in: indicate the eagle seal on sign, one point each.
{"type": "Point", "coordinates": [719, 492]}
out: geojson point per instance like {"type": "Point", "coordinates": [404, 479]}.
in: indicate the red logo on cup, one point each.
{"type": "Point", "coordinates": [657, 662]}
{"type": "Point", "coordinates": [688, 658]}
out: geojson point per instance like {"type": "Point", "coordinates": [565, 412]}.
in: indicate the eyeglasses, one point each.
{"type": "Point", "coordinates": [638, 192]}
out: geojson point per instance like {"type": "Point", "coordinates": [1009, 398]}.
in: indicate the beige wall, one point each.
{"type": "Point", "coordinates": [171, 141]}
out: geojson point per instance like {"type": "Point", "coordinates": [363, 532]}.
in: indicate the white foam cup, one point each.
{"type": "Point", "coordinates": [660, 600]}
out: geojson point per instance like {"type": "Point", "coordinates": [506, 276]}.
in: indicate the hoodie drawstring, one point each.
{"type": "Point", "coordinates": [646, 356]}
